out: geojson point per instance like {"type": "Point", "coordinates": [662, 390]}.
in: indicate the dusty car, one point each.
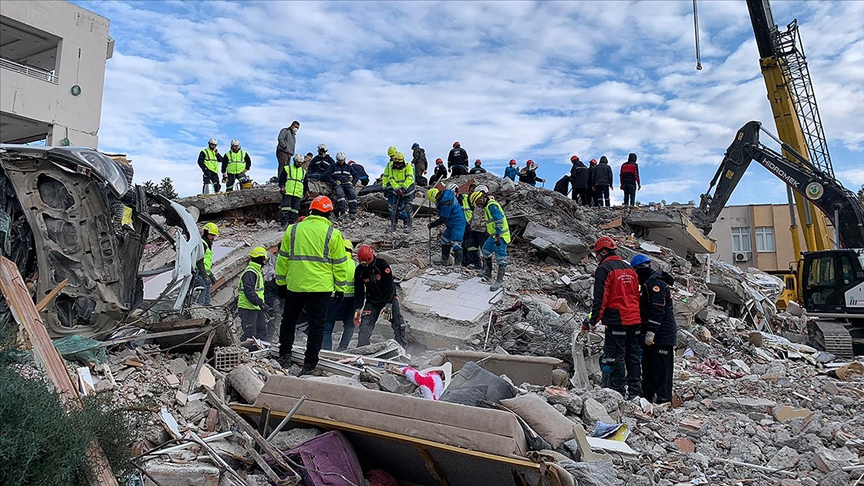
{"type": "Point", "coordinates": [61, 219]}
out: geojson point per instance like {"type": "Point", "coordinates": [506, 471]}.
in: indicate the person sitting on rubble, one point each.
{"type": "Point", "coordinates": [528, 174]}
{"type": "Point", "coordinates": [391, 152]}
{"type": "Point", "coordinates": [307, 160]}
{"type": "Point", "coordinates": [204, 276]}
{"type": "Point", "coordinates": [362, 176]}
{"type": "Point", "coordinates": [374, 289]}
{"type": "Point", "coordinates": [475, 232]}
{"type": "Point", "coordinates": [319, 167]}
{"type": "Point", "coordinates": [658, 328]}
{"type": "Point", "coordinates": [512, 170]}
{"type": "Point", "coordinates": [251, 307]}
{"type": "Point", "coordinates": [342, 311]}
{"type": "Point", "coordinates": [457, 160]}
{"type": "Point", "coordinates": [616, 304]}
{"type": "Point", "coordinates": [440, 173]}
{"type": "Point", "coordinates": [209, 161]}
{"type": "Point", "coordinates": [292, 185]}
{"type": "Point", "coordinates": [397, 181]}
{"type": "Point", "coordinates": [449, 213]}
{"type": "Point", "coordinates": [499, 236]}
{"type": "Point", "coordinates": [477, 169]}
{"type": "Point", "coordinates": [235, 164]}
{"type": "Point", "coordinates": [344, 178]}
{"type": "Point", "coordinates": [420, 163]}
{"type": "Point", "coordinates": [563, 185]}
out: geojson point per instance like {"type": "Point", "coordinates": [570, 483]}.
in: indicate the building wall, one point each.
{"type": "Point", "coordinates": [753, 216]}
{"type": "Point", "coordinates": [83, 50]}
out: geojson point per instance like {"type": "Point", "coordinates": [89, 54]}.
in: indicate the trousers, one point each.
{"type": "Point", "coordinates": [371, 311]}
{"type": "Point", "coordinates": [290, 209]}
{"type": "Point", "coordinates": [629, 194]}
{"type": "Point", "coordinates": [211, 177]}
{"type": "Point", "coordinates": [315, 304]}
{"type": "Point", "coordinates": [601, 195]}
{"type": "Point", "coordinates": [621, 360]}
{"type": "Point", "coordinates": [254, 324]}
{"type": "Point", "coordinates": [658, 365]}
{"type": "Point", "coordinates": [343, 311]}
{"type": "Point", "coordinates": [346, 198]}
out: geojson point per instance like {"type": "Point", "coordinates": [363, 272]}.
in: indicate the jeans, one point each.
{"type": "Point", "coordinates": [343, 311]}
{"type": "Point", "coordinates": [315, 304]}
{"type": "Point", "coordinates": [658, 365]}
{"type": "Point", "coordinates": [370, 316]}
{"type": "Point", "coordinates": [601, 195]}
{"type": "Point", "coordinates": [254, 324]}
{"type": "Point", "coordinates": [500, 251]}
{"type": "Point", "coordinates": [204, 296]}
{"type": "Point", "coordinates": [629, 194]}
{"type": "Point", "coordinates": [400, 207]}
{"type": "Point", "coordinates": [620, 362]}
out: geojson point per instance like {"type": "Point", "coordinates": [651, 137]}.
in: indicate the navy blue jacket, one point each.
{"type": "Point", "coordinates": [658, 315]}
{"type": "Point", "coordinates": [343, 174]}
{"type": "Point", "coordinates": [321, 165]}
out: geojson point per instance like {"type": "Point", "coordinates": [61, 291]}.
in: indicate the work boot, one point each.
{"type": "Point", "coordinates": [393, 223]}
{"type": "Point", "coordinates": [487, 268]}
{"type": "Point", "coordinates": [409, 223]}
{"type": "Point", "coordinates": [445, 255]}
{"type": "Point", "coordinates": [499, 280]}
{"type": "Point", "coordinates": [457, 257]}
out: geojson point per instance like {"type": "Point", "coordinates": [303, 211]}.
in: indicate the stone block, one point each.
{"type": "Point", "coordinates": [194, 474]}
{"type": "Point", "coordinates": [593, 412]}
{"type": "Point", "coordinates": [744, 405]}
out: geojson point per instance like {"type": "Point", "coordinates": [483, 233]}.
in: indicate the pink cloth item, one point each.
{"type": "Point", "coordinates": [430, 384]}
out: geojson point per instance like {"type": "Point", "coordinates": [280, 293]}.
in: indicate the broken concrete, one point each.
{"type": "Point", "coordinates": [672, 229]}
{"type": "Point", "coordinates": [555, 243]}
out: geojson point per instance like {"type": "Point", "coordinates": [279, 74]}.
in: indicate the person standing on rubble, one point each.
{"type": "Point", "coordinates": [397, 181]}
{"type": "Point", "coordinates": [475, 232]}
{"type": "Point", "coordinates": [616, 304]}
{"type": "Point", "coordinates": [477, 169]}
{"type": "Point", "coordinates": [309, 270]}
{"type": "Point", "coordinates": [319, 168]}
{"type": "Point", "coordinates": [209, 160]}
{"type": "Point", "coordinates": [342, 311]}
{"type": "Point", "coordinates": [451, 214]}
{"type": "Point", "coordinates": [204, 277]}
{"type": "Point", "coordinates": [499, 236]}
{"type": "Point", "coordinates": [419, 162]}
{"type": "Point", "coordinates": [292, 185]}
{"type": "Point", "coordinates": [362, 176]}
{"type": "Point", "coordinates": [592, 167]}
{"type": "Point", "coordinates": [512, 170]}
{"type": "Point", "coordinates": [602, 182]}
{"type": "Point", "coordinates": [286, 143]}
{"type": "Point", "coordinates": [659, 330]}
{"type": "Point", "coordinates": [528, 175]}
{"type": "Point", "coordinates": [374, 289]}
{"type": "Point", "coordinates": [251, 307]}
{"type": "Point", "coordinates": [579, 181]}
{"type": "Point", "coordinates": [235, 164]}
{"type": "Point", "coordinates": [344, 178]}
{"type": "Point", "coordinates": [457, 161]}
{"type": "Point", "coordinates": [440, 173]}
{"type": "Point", "coordinates": [629, 177]}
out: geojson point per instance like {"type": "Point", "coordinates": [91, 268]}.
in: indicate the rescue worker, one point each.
{"type": "Point", "coordinates": [457, 161]}
{"type": "Point", "coordinates": [440, 172]}
{"type": "Point", "coordinates": [361, 173]}
{"type": "Point", "coordinates": [602, 182]}
{"type": "Point", "coordinates": [629, 179]}
{"type": "Point", "coordinates": [344, 178]}
{"type": "Point", "coordinates": [397, 181]}
{"type": "Point", "coordinates": [616, 304]}
{"type": "Point", "coordinates": [449, 213]}
{"type": "Point", "coordinates": [475, 231]}
{"type": "Point", "coordinates": [309, 270]}
{"type": "Point", "coordinates": [512, 170]}
{"type": "Point", "coordinates": [477, 169]}
{"type": "Point", "coordinates": [592, 166]}
{"type": "Point", "coordinates": [658, 328]}
{"type": "Point", "coordinates": [292, 185]}
{"type": "Point", "coordinates": [499, 236]}
{"type": "Point", "coordinates": [579, 180]}
{"type": "Point", "coordinates": [209, 161]}
{"type": "Point", "coordinates": [235, 164]}
{"type": "Point", "coordinates": [204, 277]}
{"type": "Point", "coordinates": [528, 174]}
{"type": "Point", "coordinates": [342, 311]}
{"type": "Point", "coordinates": [286, 143]}
{"type": "Point", "coordinates": [562, 186]}
{"type": "Point", "coordinates": [251, 307]}
{"type": "Point", "coordinates": [320, 166]}
{"type": "Point", "coordinates": [374, 288]}
{"type": "Point", "coordinates": [419, 162]}
{"type": "Point", "coordinates": [391, 152]}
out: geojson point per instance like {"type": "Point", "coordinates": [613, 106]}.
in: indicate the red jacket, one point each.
{"type": "Point", "coordinates": [629, 173]}
{"type": "Point", "coordinates": [616, 293]}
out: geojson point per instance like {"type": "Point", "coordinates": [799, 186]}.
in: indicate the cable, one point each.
{"type": "Point", "coordinates": [696, 29]}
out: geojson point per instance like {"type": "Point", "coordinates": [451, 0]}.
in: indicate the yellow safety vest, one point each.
{"type": "Point", "coordinates": [398, 178]}
{"type": "Point", "coordinates": [236, 161]}
{"type": "Point", "coordinates": [242, 301]}
{"type": "Point", "coordinates": [490, 221]}
{"type": "Point", "coordinates": [350, 265]}
{"type": "Point", "coordinates": [466, 207]}
{"type": "Point", "coordinates": [294, 181]}
{"type": "Point", "coordinates": [211, 161]}
{"type": "Point", "coordinates": [311, 257]}
{"type": "Point", "coordinates": [208, 258]}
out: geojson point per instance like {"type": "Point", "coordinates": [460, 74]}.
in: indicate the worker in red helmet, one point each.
{"type": "Point", "coordinates": [457, 161]}
{"type": "Point", "coordinates": [440, 173]}
{"type": "Point", "coordinates": [478, 168]}
{"type": "Point", "coordinates": [309, 271]}
{"type": "Point", "coordinates": [512, 170]}
{"type": "Point", "coordinates": [616, 304]}
{"type": "Point", "coordinates": [373, 282]}
{"type": "Point", "coordinates": [579, 182]}
{"type": "Point", "coordinates": [592, 167]}
{"type": "Point", "coordinates": [528, 174]}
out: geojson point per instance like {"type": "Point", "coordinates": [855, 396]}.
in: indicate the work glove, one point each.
{"type": "Point", "coordinates": [357, 317]}
{"type": "Point", "coordinates": [586, 324]}
{"type": "Point", "coordinates": [265, 308]}
{"type": "Point", "coordinates": [399, 192]}
{"type": "Point", "coordinates": [338, 296]}
{"type": "Point", "coordinates": [282, 292]}
{"type": "Point", "coordinates": [497, 240]}
{"type": "Point", "coordinates": [649, 338]}
{"type": "Point", "coordinates": [282, 191]}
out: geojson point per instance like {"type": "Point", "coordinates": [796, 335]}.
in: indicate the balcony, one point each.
{"type": "Point", "coordinates": [29, 71]}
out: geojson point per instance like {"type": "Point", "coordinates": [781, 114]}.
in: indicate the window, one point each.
{"type": "Point", "coordinates": [765, 239]}
{"type": "Point", "coordinates": [741, 240]}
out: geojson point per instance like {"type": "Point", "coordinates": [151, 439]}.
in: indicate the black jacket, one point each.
{"type": "Point", "coordinates": [655, 303]}
{"type": "Point", "coordinates": [373, 283]}
{"type": "Point", "coordinates": [477, 170]}
{"type": "Point", "coordinates": [201, 163]}
{"type": "Point", "coordinates": [250, 280]}
{"type": "Point", "coordinates": [562, 184]}
{"type": "Point", "coordinates": [603, 173]}
{"type": "Point", "coordinates": [419, 161]}
{"type": "Point", "coordinates": [361, 172]}
{"type": "Point", "coordinates": [579, 175]}
{"type": "Point", "coordinates": [439, 175]}
{"type": "Point", "coordinates": [458, 156]}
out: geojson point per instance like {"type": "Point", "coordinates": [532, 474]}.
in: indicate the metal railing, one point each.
{"type": "Point", "coordinates": [29, 71]}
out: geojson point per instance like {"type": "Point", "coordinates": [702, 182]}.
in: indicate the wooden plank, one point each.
{"type": "Point", "coordinates": [25, 313]}
{"type": "Point", "coordinates": [432, 466]}
{"type": "Point", "coordinates": [48, 298]}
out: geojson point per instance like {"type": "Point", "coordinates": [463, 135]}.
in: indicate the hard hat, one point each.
{"type": "Point", "coordinates": [456, 144]}
{"type": "Point", "coordinates": [529, 162]}
{"type": "Point", "coordinates": [474, 197]}
{"type": "Point", "coordinates": [432, 194]}
{"type": "Point", "coordinates": [340, 155]}
{"type": "Point", "coordinates": [235, 143]}
{"type": "Point", "coordinates": [477, 162]}
{"type": "Point", "coordinates": [513, 162]}
{"type": "Point", "coordinates": [415, 146]}
{"type": "Point", "coordinates": [212, 229]}
{"type": "Point", "coordinates": [574, 158]}
{"type": "Point", "coordinates": [322, 147]}
{"type": "Point", "coordinates": [639, 259]}
{"type": "Point", "coordinates": [350, 162]}
{"type": "Point", "coordinates": [322, 203]}
{"type": "Point", "coordinates": [348, 245]}
{"type": "Point", "coordinates": [605, 242]}
{"type": "Point", "coordinates": [452, 187]}
{"type": "Point", "coordinates": [299, 158]}
{"type": "Point", "coordinates": [399, 157]}
{"type": "Point", "coordinates": [482, 188]}
{"type": "Point", "coordinates": [258, 252]}
{"type": "Point", "coordinates": [593, 161]}
{"type": "Point", "coordinates": [365, 254]}
{"type": "Point", "coordinates": [392, 151]}
{"type": "Point", "coordinates": [212, 141]}
{"type": "Point", "coordinates": [439, 161]}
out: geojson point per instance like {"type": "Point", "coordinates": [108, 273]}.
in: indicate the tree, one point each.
{"type": "Point", "coordinates": [150, 187]}
{"type": "Point", "coordinates": [166, 188]}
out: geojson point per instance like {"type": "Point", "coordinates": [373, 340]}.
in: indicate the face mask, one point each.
{"type": "Point", "coordinates": [644, 273]}
{"type": "Point", "coordinates": [294, 130]}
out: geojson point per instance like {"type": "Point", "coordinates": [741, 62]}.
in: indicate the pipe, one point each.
{"type": "Point", "coordinates": [287, 418]}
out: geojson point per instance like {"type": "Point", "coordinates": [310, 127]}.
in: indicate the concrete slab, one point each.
{"type": "Point", "coordinates": [673, 230]}
{"type": "Point", "coordinates": [448, 295]}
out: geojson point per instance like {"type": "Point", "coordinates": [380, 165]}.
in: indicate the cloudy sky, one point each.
{"type": "Point", "coordinates": [507, 79]}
